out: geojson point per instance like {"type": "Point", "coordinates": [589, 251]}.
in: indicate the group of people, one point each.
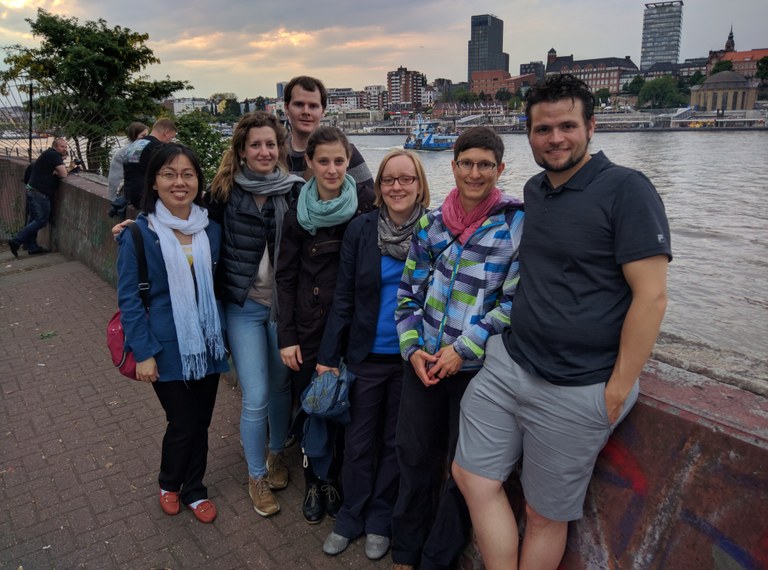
{"type": "Point", "coordinates": [477, 333]}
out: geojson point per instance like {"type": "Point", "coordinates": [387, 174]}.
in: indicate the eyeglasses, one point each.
{"type": "Point", "coordinates": [482, 166]}
{"type": "Point", "coordinates": [170, 175]}
{"type": "Point", "coordinates": [403, 180]}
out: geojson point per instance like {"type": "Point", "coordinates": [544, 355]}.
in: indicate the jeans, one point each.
{"type": "Point", "coordinates": [38, 213]}
{"type": "Point", "coordinates": [188, 410]}
{"type": "Point", "coordinates": [263, 380]}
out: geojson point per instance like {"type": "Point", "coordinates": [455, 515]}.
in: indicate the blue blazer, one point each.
{"type": "Point", "coordinates": [156, 335]}
{"type": "Point", "coordinates": [355, 311]}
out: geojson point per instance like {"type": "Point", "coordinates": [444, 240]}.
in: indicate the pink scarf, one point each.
{"type": "Point", "coordinates": [462, 223]}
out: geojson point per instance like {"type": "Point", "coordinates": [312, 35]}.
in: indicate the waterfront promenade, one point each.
{"type": "Point", "coordinates": [80, 445]}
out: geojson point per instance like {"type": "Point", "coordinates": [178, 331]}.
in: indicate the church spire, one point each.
{"type": "Point", "coordinates": [730, 45]}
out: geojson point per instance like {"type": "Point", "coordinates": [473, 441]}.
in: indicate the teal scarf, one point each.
{"type": "Point", "coordinates": [314, 213]}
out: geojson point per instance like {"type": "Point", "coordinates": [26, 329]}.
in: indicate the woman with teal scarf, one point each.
{"type": "Point", "coordinates": [307, 267]}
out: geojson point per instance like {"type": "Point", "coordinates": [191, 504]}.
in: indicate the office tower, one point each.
{"type": "Point", "coordinates": [662, 27]}
{"type": "Point", "coordinates": [484, 50]}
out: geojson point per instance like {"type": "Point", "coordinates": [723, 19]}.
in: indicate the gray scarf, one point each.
{"type": "Point", "coordinates": [276, 186]}
{"type": "Point", "coordinates": [394, 240]}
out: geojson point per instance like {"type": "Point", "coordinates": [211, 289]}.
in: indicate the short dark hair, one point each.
{"type": "Point", "coordinates": [556, 88]}
{"type": "Point", "coordinates": [162, 156]}
{"type": "Point", "coordinates": [480, 137]}
{"type": "Point", "coordinates": [309, 84]}
{"type": "Point", "coordinates": [135, 129]}
{"type": "Point", "coordinates": [327, 135]}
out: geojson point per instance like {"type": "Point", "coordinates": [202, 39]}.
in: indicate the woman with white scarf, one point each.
{"type": "Point", "coordinates": [249, 197]}
{"type": "Point", "coordinates": [178, 344]}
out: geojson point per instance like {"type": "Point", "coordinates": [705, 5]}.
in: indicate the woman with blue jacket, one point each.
{"type": "Point", "coordinates": [373, 255]}
{"type": "Point", "coordinates": [178, 345]}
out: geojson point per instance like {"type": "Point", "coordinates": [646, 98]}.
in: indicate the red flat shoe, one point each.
{"type": "Point", "coordinates": [170, 503]}
{"type": "Point", "coordinates": [205, 512]}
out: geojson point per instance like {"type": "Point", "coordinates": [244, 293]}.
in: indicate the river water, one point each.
{"type": "Point", "coordinates": [714, 187]}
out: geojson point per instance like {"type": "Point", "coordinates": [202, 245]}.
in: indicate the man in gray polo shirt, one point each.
{"type": "Point", "coordinates": [592, 294]}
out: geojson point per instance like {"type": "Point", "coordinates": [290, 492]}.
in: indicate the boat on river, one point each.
{"type": "Point", "coordinates": [428, 135]}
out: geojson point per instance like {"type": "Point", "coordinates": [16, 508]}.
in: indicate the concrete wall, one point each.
{"type": "Point", "coordinates": [80, 228]}
{"type": "Point", "coordinates": [682, 484]}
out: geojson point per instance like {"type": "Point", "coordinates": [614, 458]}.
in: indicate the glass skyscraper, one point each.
{"type": "Point", "coordinates": [485, 48]}
{"type": "Point", "coordinates": [662, 28]}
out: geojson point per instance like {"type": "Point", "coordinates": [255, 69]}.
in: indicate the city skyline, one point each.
{"type": "Point", "coordinates": [245, 50]}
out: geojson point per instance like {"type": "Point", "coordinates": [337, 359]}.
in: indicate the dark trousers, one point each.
{"type": "Point", "coordinates": [428, 416]}
{"type": "Point", "coordinates": [38, 214]}
{"type": "Point", "coordinates": [370, 473]}
{"type": "Point", "coordinates": [188, 410]}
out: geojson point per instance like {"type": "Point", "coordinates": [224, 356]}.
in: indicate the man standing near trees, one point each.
{"type": "Point", "coordinates": [43, 182]}
{"type": "Point", "coordinates": [305, 102]}
{"type": "Point", "coordinates": [137, 157]}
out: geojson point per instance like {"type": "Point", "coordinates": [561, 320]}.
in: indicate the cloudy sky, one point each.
{"type": "Point", "coordinates": [246, 47]}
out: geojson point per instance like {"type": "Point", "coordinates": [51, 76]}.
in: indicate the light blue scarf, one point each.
{"type": "Point", "coordinates": [193, 304]}
{"type": "Point", "coordinates": [313, 213]}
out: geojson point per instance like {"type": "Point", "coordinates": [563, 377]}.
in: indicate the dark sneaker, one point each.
{"type": "Point", "coordinates": [331, 498]}
{"type": "Point", "coordinates": [312, 509]}
{"type": "Point", "coordinates": [14, 247]}
{"type": "Point", "coordinates": [39, 251]}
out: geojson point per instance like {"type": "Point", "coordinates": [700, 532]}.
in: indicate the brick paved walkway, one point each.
{"type": "Point", "coordinates": [80, 449]}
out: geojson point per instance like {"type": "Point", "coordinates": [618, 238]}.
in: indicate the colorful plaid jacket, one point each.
{"type": "Point", "coordinates": [459, 294]}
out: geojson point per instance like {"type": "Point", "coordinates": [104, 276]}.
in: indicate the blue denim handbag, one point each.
{"type": "Point", "coordinates": [327, 395]}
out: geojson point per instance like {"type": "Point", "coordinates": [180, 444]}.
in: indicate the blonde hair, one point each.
{"type": "Point", "coordinates": [230, 162]}
{"type": "Point", "coordinates": [423, 197]}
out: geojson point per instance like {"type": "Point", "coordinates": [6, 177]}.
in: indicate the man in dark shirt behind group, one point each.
{"type": "Point", "coordinates": [43, 181]}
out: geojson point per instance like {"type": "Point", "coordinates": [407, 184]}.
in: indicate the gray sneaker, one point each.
{"type": "Point", "coordinates": [335, 544]}
{"type": "Point", "coordinates": [376, 546]}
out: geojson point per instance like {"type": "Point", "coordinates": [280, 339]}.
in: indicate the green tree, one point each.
{"type": "Point", "coordinates": [661, 93]}
{"type": "Point", "coordinates": [697, 78]}
{"type": "Point", "coordinates": [762, 69]}
{"type": "Point", "coordinates": [722, 65]}
{"type": "Point", "coordinates": [196, 132]}
{"type": "Point", "coordinates": [464, 96]}
{"type": "Point", "coordinates": [633, 87]}
{"type": "Point", "coordinates": [88, 79]}
{"type": "Point", "coordinates": [229, 111]}
{"type": "Point", "coordinates": [260, 104]}
{"type": "Point", "coordinates": [503, 95]}
{"type": "Point", "coordinates": [602, 95]}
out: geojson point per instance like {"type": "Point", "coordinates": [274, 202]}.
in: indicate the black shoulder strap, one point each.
{"type": "Point", "coordinates": [138, 242]}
